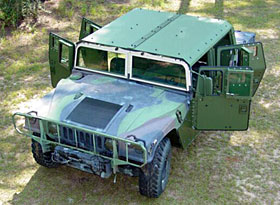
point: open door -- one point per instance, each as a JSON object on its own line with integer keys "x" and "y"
{"x": 223, "y": 97}
{"x": 250, "y": 54}
{"x": 61, "y": 58}
{"x": 88, "y": 27}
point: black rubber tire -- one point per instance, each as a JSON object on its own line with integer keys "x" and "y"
{"x": 44, "y": 159}
{"x": 152, "y": 181}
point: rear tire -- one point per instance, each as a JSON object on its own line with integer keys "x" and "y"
{"x": 153, "y": 181}
{"x": 44, "y": 159}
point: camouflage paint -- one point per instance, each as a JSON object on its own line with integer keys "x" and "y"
{"x": 152, "y": 117}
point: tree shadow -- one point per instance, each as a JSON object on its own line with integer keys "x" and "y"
{"x": 184, "y": 6}
{"x": 219, "y": 6}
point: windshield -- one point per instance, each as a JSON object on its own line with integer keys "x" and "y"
{"x": 158, "y": 72}
{"x": 99, "y": 60}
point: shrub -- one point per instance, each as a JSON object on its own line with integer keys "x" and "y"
{"x": 14, "y": 11}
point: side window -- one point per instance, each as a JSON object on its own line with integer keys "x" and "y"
{"x": 64, "y": 55}
{"x": 236, "y": 56}
{"x": 239, "y": 83}
{"x": 100, "y": 60}
{"x": 217, "y": 79}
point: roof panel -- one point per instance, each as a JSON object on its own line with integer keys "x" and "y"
{"x": 162, "y": 33}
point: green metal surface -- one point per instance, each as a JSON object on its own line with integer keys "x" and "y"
{"x": 220, "y": 113}
{"x": 169, "y": 34}
{"x": 250, "y": 54}
{"x": 46, "y": 143}
{"x": 226, "y": 108}
{"x": 186, "y": 132}
{"x": 88, "y": 27}
{"x": 61, "y": 58}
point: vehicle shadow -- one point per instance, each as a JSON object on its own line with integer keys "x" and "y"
{"x": 65, "y": 185}
{"x": 210, "y": 169}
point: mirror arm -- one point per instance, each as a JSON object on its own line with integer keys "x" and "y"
{"x": 203, "y": 76}
{"x": 247, "y": 50}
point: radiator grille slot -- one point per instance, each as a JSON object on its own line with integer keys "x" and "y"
{"x": 84, "y": 140}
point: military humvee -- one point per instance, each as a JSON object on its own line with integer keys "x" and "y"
{"x": 128, "y": 91}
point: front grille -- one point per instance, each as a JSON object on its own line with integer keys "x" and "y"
{"x": 84, "y": 140}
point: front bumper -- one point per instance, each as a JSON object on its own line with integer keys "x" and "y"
{"x": 52, "y": 133}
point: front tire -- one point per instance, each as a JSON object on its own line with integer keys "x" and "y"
{"x": 153, "y": 181}
{"x": 44, "y": 159}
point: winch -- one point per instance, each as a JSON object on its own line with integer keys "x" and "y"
{"x": 83, "y": 161}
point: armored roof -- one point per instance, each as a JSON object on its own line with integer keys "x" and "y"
{"x": 162, "y": 33}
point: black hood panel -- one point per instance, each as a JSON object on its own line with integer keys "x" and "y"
{"x": 94, "y": 113}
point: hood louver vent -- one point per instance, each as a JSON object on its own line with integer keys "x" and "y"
{"x": 94, "y": 113}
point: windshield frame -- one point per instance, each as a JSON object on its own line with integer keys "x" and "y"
{"x": 128, "y": 64}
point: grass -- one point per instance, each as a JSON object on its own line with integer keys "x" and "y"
{"x": 218, "y": 168}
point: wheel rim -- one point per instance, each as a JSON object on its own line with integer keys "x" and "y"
{"x": 165, "y": 172}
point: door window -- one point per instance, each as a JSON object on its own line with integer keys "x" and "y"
{"x": 64, "y": 55}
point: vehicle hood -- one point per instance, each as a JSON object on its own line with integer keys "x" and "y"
{"x": 115, "y": 106}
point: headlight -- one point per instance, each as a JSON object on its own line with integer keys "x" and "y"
{"x": 136, "y": 148}
{"x": 52, "y": 129}
{"x": 109, "y": 144}
{"x": 32, "y": 120}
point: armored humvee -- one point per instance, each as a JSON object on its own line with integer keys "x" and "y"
{"x": 126, "y": 92}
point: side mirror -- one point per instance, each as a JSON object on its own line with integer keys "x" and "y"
{"x": 205, "y": 85}
{"x": 208, "y": 86}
